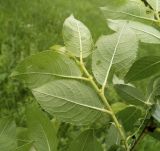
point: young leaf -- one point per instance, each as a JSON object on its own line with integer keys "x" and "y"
{"x": 77, "y": 37}
{"x": 44, "y": 67}
{"x": 145, "y": 33}
{"x": 143, "y": 68}
{"x": 86, "y": 141}
{"x": 129, "y": 116}
{"x": 70, "y": 101}
{"x": 41, "y": 130}
{"x": 113, "y": 138}
{"x": 116, "y": 51}
{"x": 131, "y": 10}
{"x": 7, "y": 135}
{"x": 130, "y": 94}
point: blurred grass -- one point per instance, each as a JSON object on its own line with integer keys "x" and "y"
{"x": 27, "y": 27}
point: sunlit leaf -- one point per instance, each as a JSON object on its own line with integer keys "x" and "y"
{"x": 131, "y": 10}
{"x": 77, "y": 37}
{"x": 116, "y": 52}
{"x": 145, "y": 33}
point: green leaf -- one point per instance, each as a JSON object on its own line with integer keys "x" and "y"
{"x": 145, "y": 33}
{"x": 25, "y": 147}
{"x": 117, "y": 52}
{"x": 44, "y": 67}
{"x": 156, "y": 112}
{"x": 155, "y": 134}
{"x": 130, "y": 94}
{"x": 153, "y": 89}
{"x": 113, "y": 138}
{"x": 131, "y": 10}
{"x": 86, "y": 141}
{"x": 77, "y": 37}
{"x": 7, "y": 135}
{"x": 22, "y": 136}
{"x": 41, "y": 130}
{"x": 118, "y": 106}
{"x": 143, "y": 68}
{"x": 129, "y": 116}
{"x": 70, "y": 101}
{"x": 155, "y": 4}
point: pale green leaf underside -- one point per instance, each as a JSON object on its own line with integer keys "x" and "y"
{"x": 155, "y": 4}
{"x": 86, "y": 141}
{"x": 77, "y": 37}
{"x": 7, "y": 135}
{"x": 131, "y": 10}
{"x": 117, "y": 51}
{"x": 145, "y": 33}
{"x": 41, "y": 130}
{"x": 46, "y": 66}
{"x": 70, "y": 101}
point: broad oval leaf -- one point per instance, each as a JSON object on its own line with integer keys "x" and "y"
{"x": 41, "y": 130}
{"x": 130, "y": 94}
{"x": 77, "y": 37}
{"x": 70, "y": 101}
{"x": 117, "y": 51}
{"x": 131, "y": 10}
{"x": 129, "y": 116}
{"x": 143, "y": 68}
{"x": 145, "y": 33}
{"x": 7, "y": 135}
{"x": 46, "y": 66}
{"x": 86, "y": 141}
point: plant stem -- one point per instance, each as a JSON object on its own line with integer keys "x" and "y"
{"x": 149, "y": 125}
{"x": 100, "y": 92}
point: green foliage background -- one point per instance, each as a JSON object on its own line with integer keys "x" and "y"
{"x": 27, "y": 27}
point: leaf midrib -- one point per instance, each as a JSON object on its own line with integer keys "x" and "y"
{"x": 70, "y": 101}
